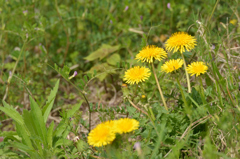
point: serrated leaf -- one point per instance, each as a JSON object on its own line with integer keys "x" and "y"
{"x": 102, "y": 52}
{"x": 131, "y": 110}
{"x": 21, "y": 146}
{"x": 81, "y": 145}
{"x": 50, "y": 134}
{"x": 22, "y": 132}
{"x": 49, "y": 104}
{"x": 62, "y": 141}
{"x": 10, "y": 111}
{"x": 28, "y": 120}
{"x": 38, "y": 120}
{"x": 114, "y": 59}
{"x": 60, "y": 129}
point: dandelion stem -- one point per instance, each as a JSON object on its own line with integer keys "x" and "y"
{"x": 202, "y": 91}
{"x": 187, "y": 76}
{"x": 159, "y": 88}
{"x": 182, "y": 93}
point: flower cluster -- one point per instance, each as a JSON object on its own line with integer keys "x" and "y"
{"x": 147, "y": 54}
{"x": 181, "y": 42}
{"x": 105, "y": 132}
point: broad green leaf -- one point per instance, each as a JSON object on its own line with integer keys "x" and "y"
{"x": 21, "y": 146}
{"x": 60, "y": 129}
{"x": 10, "y": 111}
{"x": 38, "y": 120}
{"x": 74, "y": 109}
{"x": 47, "y": 108}
{"x": 10, "y": 135}
{"x": 32, "y": 153}
{"x": 131, "y": 110}
{"x": 81, "y": 145}
{"x": 114, "y": 59}
{"x": 49, "y": 134}
{"x": 28, "y": 120}
{"x": 102, "y": 70}
{"x": 102, "y": 52}
{"x": 22, "y": 132}
{"x": 61, "y": 142}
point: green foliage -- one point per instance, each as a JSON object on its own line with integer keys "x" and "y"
{"x": 42, "y": 40}
{"x": 33, "y": 137}
{"x": 103, "y": 69}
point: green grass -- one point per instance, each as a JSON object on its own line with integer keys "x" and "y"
{"x": 44, "y": 41}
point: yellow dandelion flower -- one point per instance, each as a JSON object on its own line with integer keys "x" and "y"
{"x": 233, "y": 21}
{"x": 136, "y": 74}
{"x": 150, "y": 52}
{"x": 143, "y": 96}
{"x": 172, "y": 65}
{"x": 110, "y": 123}
{"x": 197, "y": 68}
{"x": 180, "y": 41}
{"x": 101, "y": 135}
{"x": 125, "y": 125}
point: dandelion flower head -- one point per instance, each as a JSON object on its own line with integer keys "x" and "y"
{"x": 125, "y": 125}
{"x": 172, "y": 65}
{"x": 196, "y": 68}
{"x": 110, "y": 123}
{"x": 151, "y": 52}
{"x": 101, "y": 135}
{"x": 180, "y": 41}
{"x": 233, "y": 21}
{"x": 136, "y": 74}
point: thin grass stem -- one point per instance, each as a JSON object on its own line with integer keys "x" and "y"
{"x": 159, "y": 88}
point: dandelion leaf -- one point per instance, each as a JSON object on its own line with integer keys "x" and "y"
{"x": 102, "y": 52}
{"x": 81, "y": 145}
{"x": 47, "y": 108}
{"x": 50, "y": 134}
{"x": 114, "y": 59}
{"x": 102, "y": 70}
{"x": 10, "y": 111}
{"x": 38, "y": 120}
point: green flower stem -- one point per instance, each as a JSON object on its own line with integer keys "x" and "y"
{"x": 151, "y": 114}
{"x": 183, "y": 96}
{"x": 202, "y": 91}
{"x": 187, "y": 76}
{"x": 159, "y": 88}
{"x": 13, "y": 71}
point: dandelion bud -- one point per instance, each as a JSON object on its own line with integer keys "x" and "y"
{"x": 143, "y": 98}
